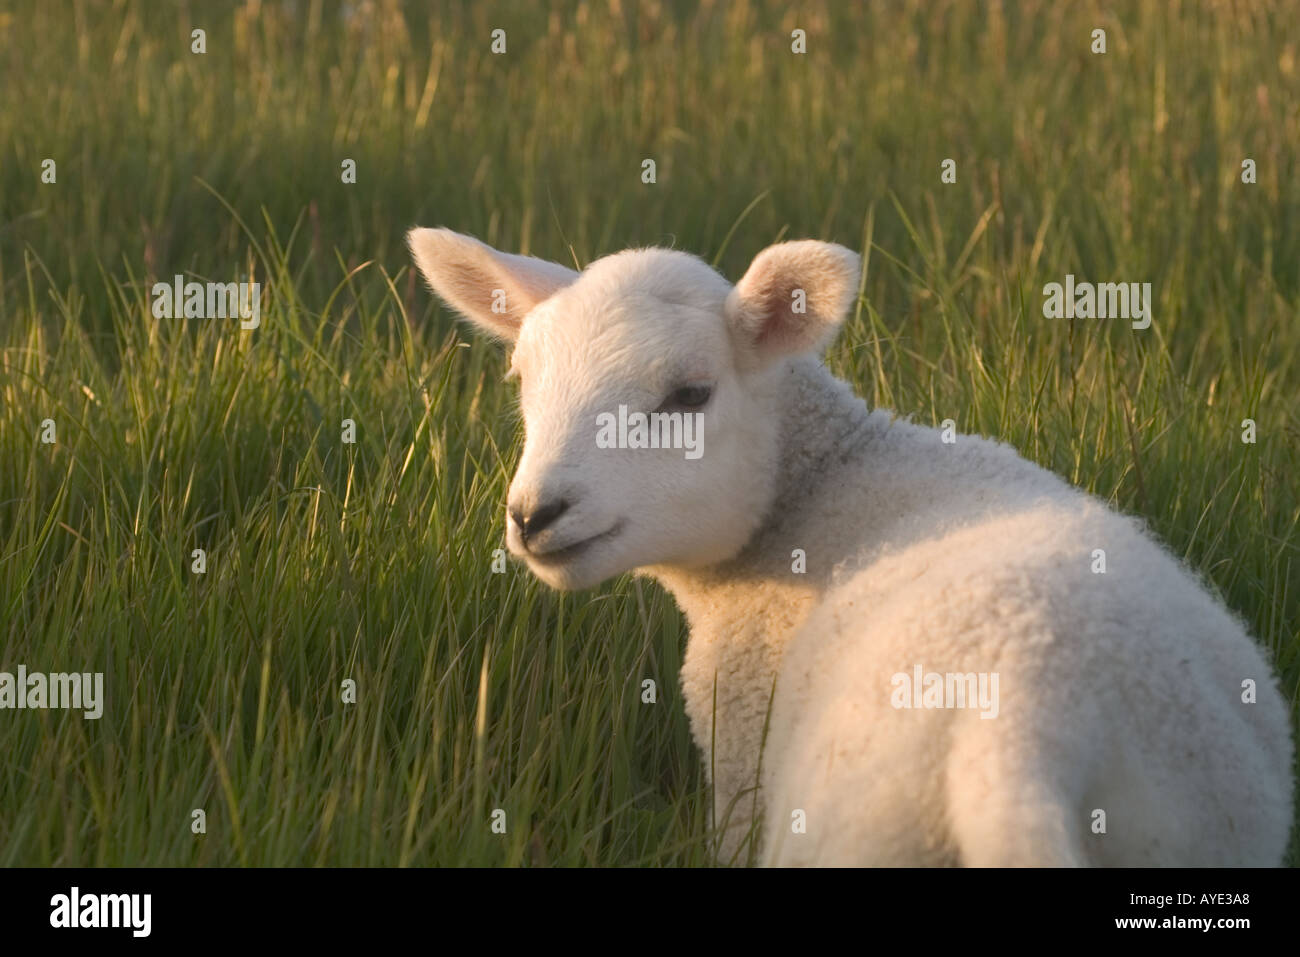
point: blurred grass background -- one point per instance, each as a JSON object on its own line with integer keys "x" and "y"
{"x": 372, "y": 561}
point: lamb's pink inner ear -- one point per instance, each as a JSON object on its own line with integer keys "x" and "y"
{"x": 492, "y": 289}
{"x": 768, "y": 316}
{"x": 793, "y": 298}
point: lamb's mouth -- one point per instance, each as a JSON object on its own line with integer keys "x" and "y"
{"x": 569, "y": 552}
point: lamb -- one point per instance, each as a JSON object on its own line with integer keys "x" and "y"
{"x": 827, "y": 555}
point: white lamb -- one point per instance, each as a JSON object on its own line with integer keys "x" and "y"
{"x": 1118, "y": 724}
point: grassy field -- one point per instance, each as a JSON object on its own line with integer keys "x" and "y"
{"x": 372, "y": 561}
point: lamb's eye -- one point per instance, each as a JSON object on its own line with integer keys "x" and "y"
{"x": 688, "y": 397}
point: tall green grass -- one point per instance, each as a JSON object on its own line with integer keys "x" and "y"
{"x": 372, "y": 561}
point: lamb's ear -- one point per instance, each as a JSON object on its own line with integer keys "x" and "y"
{"x": 792, "y": 298}
{"x": 494, "y": 290}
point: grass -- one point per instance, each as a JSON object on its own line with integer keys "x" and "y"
{"x": 373, "y": 561}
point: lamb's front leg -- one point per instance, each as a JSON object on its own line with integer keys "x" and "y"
{"x": 728, "y": 729}
{"x": 737, "y": 807}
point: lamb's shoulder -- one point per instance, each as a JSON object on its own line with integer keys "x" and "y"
{"x": 1074, "y": 606}
{"x": 1061, "y": 587}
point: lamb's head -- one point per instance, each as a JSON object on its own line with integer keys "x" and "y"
{"x": 597, "y": 353}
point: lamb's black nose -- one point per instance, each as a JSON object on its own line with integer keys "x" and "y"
{"x": 538, "y": 518}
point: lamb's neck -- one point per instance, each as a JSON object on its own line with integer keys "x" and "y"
{"x": 849, "y": 483}
{"x": 767, "y": 589}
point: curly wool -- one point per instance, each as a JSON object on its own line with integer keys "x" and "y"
{"x": 1121, "y": 692}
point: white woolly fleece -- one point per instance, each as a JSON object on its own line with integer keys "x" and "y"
{"x": 1119, "y": 692}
